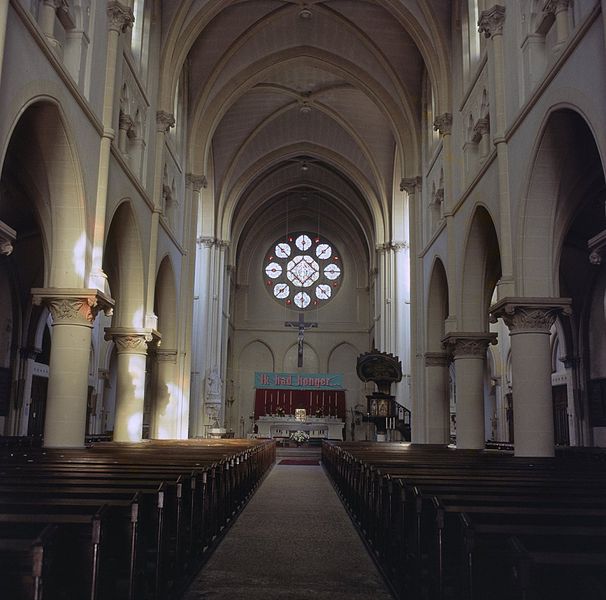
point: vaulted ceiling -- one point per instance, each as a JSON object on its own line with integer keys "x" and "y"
{"x": 292, "y": 100}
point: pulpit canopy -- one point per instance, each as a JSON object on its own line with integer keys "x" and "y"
{"x": 380, "y": 367}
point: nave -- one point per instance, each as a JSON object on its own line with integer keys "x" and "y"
{"x": 294, "y": 541}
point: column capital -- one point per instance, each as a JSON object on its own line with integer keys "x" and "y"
{"x": 164, "y": 121}
{"x": 7, "y": 238}
{"x": 530, "y": 315}
{"x": 398, "y": 245}
{"x": 206, "y": 242}
{"x": 555, "y": 6}
{"x": 73, "y": 306}
{"x": 120, "y": 17}
{"x": 410, "y": 184}
{"x": 197, "y": 182}
{"x": 443, "y": 123}
{"x": 436, "y": 359}
{"x": 466, "y": 344}
{"x": 223, "y": 243}
{"x": 491, "y": 21}
{"x": 131, "y": 340}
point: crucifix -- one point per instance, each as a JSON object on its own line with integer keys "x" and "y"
{"x": 302, "y": 326}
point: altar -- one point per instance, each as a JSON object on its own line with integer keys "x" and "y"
{"x": 290, "y": 402}
{"x": 271, "y": 426}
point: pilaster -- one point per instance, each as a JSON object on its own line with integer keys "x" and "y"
{"x": 120, "y": 18}
{"x": 491, "y": 24}
{"x": 412, "y": 186}
{"x": 164, "y": 121}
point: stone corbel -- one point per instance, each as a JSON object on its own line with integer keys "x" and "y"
{"x": 491, "y": 21}
{"x": 443, "y": 124}
{"x": 120, "y": 17}
{"x": 597, "y": 248}
{"x": 7, "y": 238}
{"x": 164, "y": 121}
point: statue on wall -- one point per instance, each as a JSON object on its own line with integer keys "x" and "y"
{"x": 213, "y": 384}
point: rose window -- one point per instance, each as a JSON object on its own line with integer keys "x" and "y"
{"x": 302, "y": 270}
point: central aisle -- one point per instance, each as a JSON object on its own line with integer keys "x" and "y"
{"x": 295, "y": 541}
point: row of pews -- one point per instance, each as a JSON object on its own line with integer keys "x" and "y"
{"x": 119, "y": 521}
{"x": 447, "y": 524}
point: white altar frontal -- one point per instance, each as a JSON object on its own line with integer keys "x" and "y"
{"x": 273, "y": 426}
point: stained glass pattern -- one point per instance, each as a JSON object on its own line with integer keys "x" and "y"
{"x": 302, "y": 270}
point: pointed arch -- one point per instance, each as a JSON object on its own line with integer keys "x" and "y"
{"x": 481, "y": 271}
{"x": 123, "y": 263}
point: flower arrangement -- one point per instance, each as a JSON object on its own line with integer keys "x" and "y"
{"x": 299, "y": 437}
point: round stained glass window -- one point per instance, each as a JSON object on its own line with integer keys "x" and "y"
{"x": 302, "y": 270}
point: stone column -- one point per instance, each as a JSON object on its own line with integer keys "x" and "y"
{"x": 469, "y": 353}
{"x": 491, "y": 24}
{"x": 73, "y": 312}
{"x": 438, "y": 403}
{"x": 385, "y": 298}
{"x": 559, "y": 8}
{"x": 131, "y": 346}
{"x": 530, "y": 321}
{"x": 443, "y": 124}
{"x": 412, "y": 186}
{"x": 166, "y": 414}
{"x": 401, "y": 252}
{"x": 3, "y": 22}
{"x": 200, "y": 345}
{"x": 120, "y": 18}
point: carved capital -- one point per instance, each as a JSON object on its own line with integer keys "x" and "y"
{"x": 73, "y": 306}
{"x": 206, "y": 242}
{"x": 223, "y": 244}
{"x": 443, "y": 123}
{"x": 120, "y": 17}
{"x": 399, "y": 245}
{"x": 555, "y": 6}
{"x": 491, "y": 21}
{"x": 468, "y": 345}
{"x": 381, "y": 248}
{"x": 197, "y": 182}
{"x": 410, "y": 185}
{"x": 130, "y": 341}
{"x": 530, "y": 315}
{"x": 164, "y": 121}
{"x": 436, "y": 359}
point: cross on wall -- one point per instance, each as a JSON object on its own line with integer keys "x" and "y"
{"x": 301, "y": 325}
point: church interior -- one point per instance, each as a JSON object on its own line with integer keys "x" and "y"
{"x": 347, "y": 256}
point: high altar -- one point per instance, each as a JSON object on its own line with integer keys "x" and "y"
{"x": 288, "y": 402}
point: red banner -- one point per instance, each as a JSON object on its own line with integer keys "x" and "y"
{"x": 327, "y": 402}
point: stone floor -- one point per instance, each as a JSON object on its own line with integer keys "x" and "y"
{"x": 293, "y": 541}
